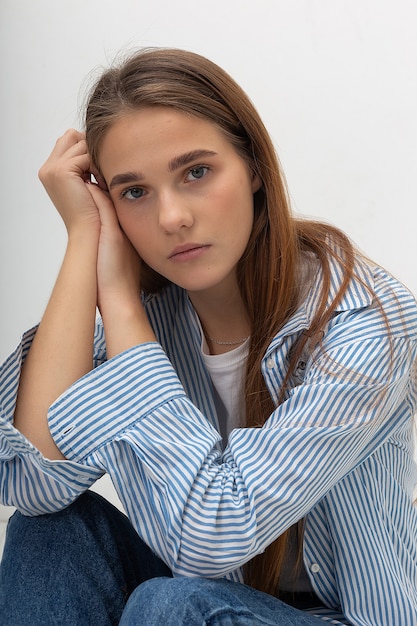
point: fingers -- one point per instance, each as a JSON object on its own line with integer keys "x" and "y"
{"x": 71, "y": 138}
{"x": 69, "y": 154}
{"x": 64, "y": 176}
{"x": 104, "y": 205}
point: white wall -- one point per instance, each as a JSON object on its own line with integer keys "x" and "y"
{"x": 334, "y": 80}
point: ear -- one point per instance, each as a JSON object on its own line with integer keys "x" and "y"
{"x": 256, "y": 182}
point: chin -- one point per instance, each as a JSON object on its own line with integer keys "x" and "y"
{"x": 204, "y": 280}
{"x": 217, "y": 286}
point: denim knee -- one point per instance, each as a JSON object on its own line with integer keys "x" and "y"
{"x": 197, "y": 601}
{"x": 159, "y": 601}
{"x": 76, "y": 566}
{"x": 186, "y": 602}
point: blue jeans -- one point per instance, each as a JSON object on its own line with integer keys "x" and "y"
{"x": 204, "y": 602}
{"x": 86, "y": 566}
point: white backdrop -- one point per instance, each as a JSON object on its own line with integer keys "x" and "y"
{"x": 334, "y": 80}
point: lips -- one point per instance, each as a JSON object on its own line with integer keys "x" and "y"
{"x": 185, "y": 248}
{"x": 187, "y": 251}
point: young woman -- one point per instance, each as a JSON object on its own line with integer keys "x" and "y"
{"x": 248, "y": 386}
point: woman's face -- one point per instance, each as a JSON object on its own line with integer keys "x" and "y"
{"x": 183, "y": 195}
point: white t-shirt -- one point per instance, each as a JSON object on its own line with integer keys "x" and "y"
{"x": 227, "y": 372}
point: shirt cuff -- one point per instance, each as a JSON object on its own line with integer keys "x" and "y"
{"x": 111, "y": 398}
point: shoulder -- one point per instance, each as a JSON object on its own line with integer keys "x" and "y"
{"x": 372, "y": 295}
{"x": 380, "y": 298}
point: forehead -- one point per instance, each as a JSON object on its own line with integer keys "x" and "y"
{"x": 156, "y": 126}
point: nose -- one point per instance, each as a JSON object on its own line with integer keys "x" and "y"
{"x": 174, "y": 213}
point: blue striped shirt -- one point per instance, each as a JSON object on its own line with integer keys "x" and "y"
{"x": 337, "y": 452}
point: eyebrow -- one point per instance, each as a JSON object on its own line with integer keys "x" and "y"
{"x": 175, "y": 164}
{"x": 124, "y": 179}
{"x": 188, "y": 157}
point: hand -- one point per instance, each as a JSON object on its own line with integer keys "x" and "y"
{"x": 118, "y": 264}
{"x": 118, "y": 277}
{"x": 65, "y": 176}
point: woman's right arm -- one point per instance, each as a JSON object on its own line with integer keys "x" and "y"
{"x": 62, "y": 349}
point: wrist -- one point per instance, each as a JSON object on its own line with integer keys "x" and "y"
{"x": 84, "y": 233}
{"x": 125, "y": 325}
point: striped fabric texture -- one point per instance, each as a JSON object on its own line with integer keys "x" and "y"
{"x": 337, "y": 451}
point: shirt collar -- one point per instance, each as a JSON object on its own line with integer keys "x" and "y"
{"x": 358, "y": 295}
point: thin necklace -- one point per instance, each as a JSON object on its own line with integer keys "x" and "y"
{"x": 227, "y": 343}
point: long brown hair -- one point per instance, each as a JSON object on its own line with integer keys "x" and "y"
{"x": 267, "y": 272}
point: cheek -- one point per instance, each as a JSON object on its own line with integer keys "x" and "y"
{"x": 136, "y": 230}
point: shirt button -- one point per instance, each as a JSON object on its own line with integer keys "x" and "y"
{"x": 314, "y": 567}
{"x": 270, "y": 363}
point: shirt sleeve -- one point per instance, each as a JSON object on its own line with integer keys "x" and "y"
{"x": 206, "y": 513}
{"x": 29, "y": 481}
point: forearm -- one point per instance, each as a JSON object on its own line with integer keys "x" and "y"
{"x": 62, "y": 349}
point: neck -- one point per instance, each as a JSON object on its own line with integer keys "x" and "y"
{"x": 224, "y": 321}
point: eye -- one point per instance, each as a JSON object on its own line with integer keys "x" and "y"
{"x": 134, "y": 193}
{"x": 197, "y": 172}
